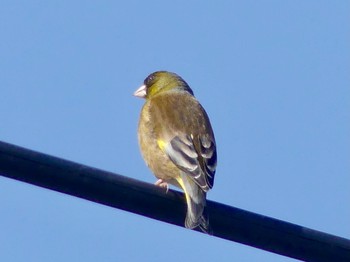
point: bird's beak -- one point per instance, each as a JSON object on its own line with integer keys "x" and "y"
{"x": 141, "y": 92}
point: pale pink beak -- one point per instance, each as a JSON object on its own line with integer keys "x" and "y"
{"x": 141, "y": 92}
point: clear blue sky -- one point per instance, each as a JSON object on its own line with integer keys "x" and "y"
{"x": 274, "y": 77}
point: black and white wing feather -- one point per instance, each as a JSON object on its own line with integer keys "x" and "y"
{"x": 196, "y": 156}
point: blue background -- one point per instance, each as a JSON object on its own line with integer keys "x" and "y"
{"x": 274, "y": 77}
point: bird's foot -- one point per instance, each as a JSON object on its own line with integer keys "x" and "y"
{"x": 163, "y": 184}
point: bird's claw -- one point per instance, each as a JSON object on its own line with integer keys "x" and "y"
{"x": 163, "y": 184}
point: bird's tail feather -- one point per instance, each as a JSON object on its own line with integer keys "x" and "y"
{"x": 196, "y": 204}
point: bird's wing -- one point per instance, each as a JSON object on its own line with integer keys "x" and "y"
{"x": 196, "y": 156}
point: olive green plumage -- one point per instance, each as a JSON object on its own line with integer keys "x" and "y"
{"x": 177, "y": 141}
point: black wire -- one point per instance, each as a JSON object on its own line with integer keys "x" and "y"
{"x": 148, "y": 200}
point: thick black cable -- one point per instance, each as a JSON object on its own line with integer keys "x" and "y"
{"x": 148, "y": 200}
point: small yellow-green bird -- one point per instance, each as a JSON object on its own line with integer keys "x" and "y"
{"x": 177, "y": 141}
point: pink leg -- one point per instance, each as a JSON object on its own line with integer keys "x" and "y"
{"x": 162, "y": 183}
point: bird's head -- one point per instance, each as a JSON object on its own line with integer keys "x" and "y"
{"x": 161, "y": 81}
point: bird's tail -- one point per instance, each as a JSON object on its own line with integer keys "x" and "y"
{"x": 196, "y": 202}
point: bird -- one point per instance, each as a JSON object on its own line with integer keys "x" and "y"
{"x": 177, "y": 142}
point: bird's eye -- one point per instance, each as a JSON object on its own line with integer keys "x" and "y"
{"x": 149, "y": 80}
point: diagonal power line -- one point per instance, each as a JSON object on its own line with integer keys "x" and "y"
{"x": 148, "y": 200}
